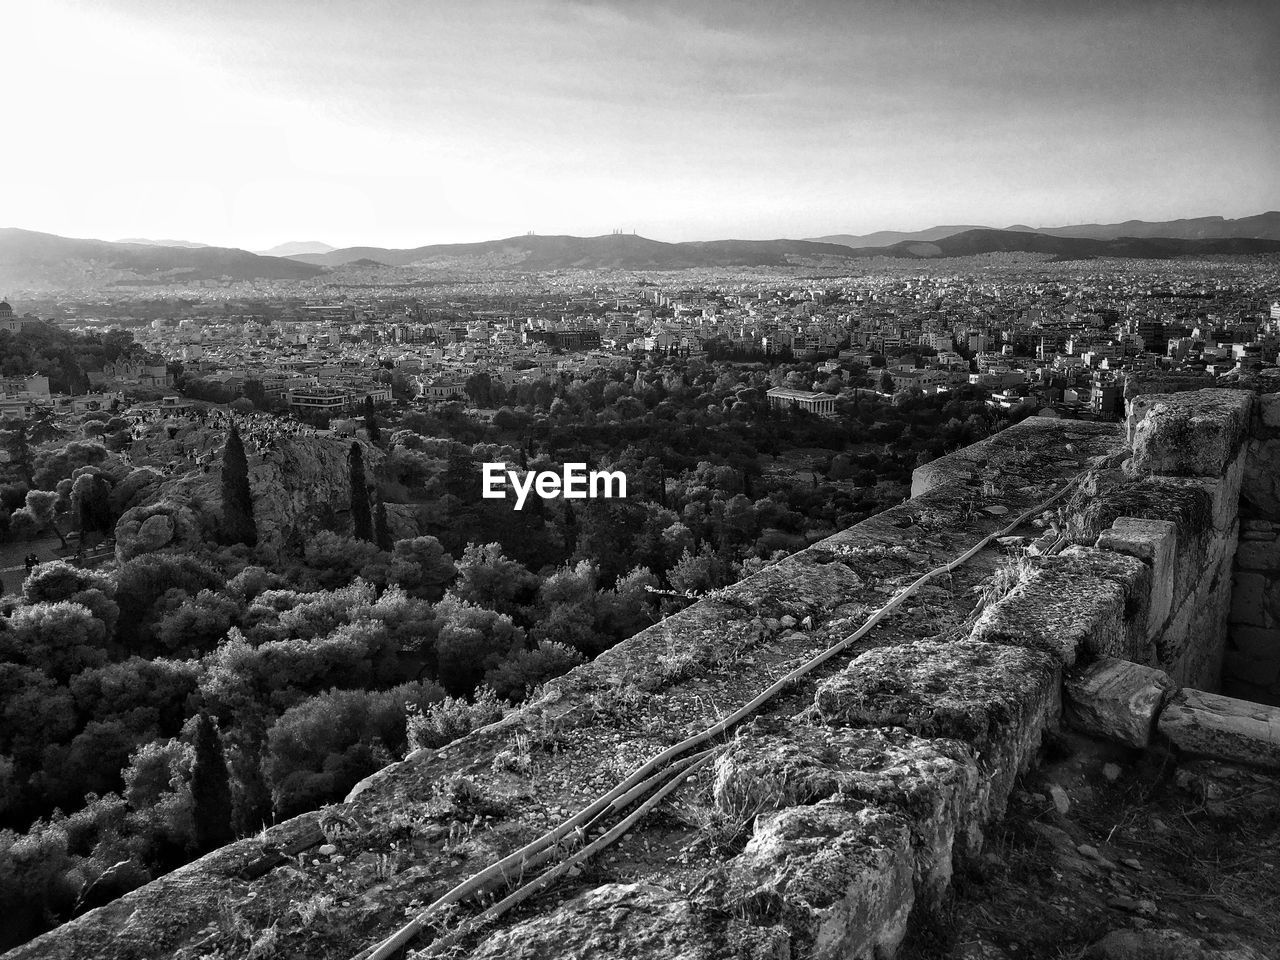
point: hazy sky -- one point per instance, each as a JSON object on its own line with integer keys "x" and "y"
{"x": 405, "y": 122}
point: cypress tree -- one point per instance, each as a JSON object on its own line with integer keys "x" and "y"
{"x": 361, "y": 515}
{"x": 381, "y": 531}
{"x": 210, "y": 788}
{"x": 237, "y": 499}
{"x": 371, "y": 421}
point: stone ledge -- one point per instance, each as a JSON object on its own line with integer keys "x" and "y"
{"x": 1022, "y": 443}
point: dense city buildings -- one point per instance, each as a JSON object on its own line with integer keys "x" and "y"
{"x": 1033, "y": 334}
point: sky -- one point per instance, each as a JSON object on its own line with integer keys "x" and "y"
{"x": 406, "y": 122}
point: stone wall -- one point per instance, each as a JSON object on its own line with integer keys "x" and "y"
{"x": 1252, "y": 669}
{"x": 858, "y": 787}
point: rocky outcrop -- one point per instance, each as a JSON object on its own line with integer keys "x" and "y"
{"x": 301, "y": 485}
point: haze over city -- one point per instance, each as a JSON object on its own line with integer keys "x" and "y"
{"x": 248, "y": 124}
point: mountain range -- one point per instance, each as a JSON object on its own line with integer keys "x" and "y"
{"x": 46, "y": 262}
{"x": 1263, "y": 226}
{"x": 31, "y": 260}
{"x": 631, "y": 252}
{"x": 620, "y": 251}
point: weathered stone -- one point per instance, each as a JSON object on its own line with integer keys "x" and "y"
{"x": 1061, "y": 802}
{"x": 1156, "y": 543}
{"x": 1190, "y": 434}
{"x": 1116, "y": 700}
{"x": 631, "y": 920}
{"x": 838, "y": 879}
{"x": 1077, "y": 603}
{"x": 933, "y": 784}
{"x": 996, "y": 698}
{"x": 1207, "y": 724}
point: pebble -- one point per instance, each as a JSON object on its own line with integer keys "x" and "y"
{"x": 1086, "y": 850}
{"x": 327, "y": 850}
{"x": 996, "y": 510}
{"x": 1131, "y": 863}
{"x": 1111, "y": 771}
{"x": 1061, "y": 802}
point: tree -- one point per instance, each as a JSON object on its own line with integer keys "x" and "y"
{"x": 15, "y": 442}
{"x": 361, "y": 515}
{"x": 237, "y": 499}
{"x": 886, "y": 382}
{"x": 210, "y": 787}
{"x": 40, "y": 513}
{"x": 90, "y": 504}
{"x": 371, "y": 421}
{"x": 381, "y": 532}
{"x": 254, "y": 392}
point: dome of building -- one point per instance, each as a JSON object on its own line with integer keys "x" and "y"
{"x": 5, "y": 309}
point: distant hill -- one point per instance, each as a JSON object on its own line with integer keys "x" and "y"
{"x": 618, "y": 251}
{"x": 163, "y": 243}
{"x": 885, "y": 238}
{"x": 973, "y": 242}
{"x": 1263, "y": 226}
{"x": 44, "y": 261}
{"x": 295, "y": 247}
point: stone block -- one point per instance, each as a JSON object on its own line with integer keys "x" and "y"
{"x": 1190, "y": 434}
{"x": 1072, "y": 606}
{"x": 1210, "y": 725}
{"x": 1200, "y": 661}
{"x": 621, "y": 920}
{"x": 1256, "y": 641}
{"x": 1260, "y": 554}
{"x": 1156, "y": 543}
{"x": 1259, "y": 525}
{"x": 934, "y": 784}
{"x": 1260, "y": 488}
{"x": 837, "y": 878}
{"x": 998, "y": 699}
{"x": 1116, "y": 700}
{"x": 1269, "y": 410}
{"x": 1248, "y": 599}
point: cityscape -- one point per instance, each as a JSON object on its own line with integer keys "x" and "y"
{"x": 734, "y": 481}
